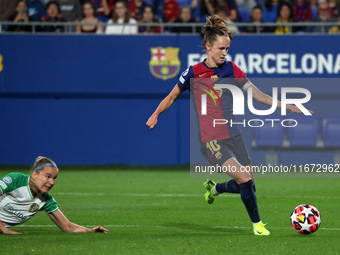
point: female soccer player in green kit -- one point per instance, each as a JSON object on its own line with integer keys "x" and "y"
{"x": 22, "y": 196}
{"x": 232, "y": 153}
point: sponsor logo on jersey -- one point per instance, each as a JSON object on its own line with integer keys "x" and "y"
{"x": 3, "y": 185}
{"x": 7, "y": 179}
{"x": 164, "y": 63}
{"x": 181, "y": 79}
{"x": 34, "y": 208}
{"x": 185, "y": 72}
{"x": 10, "y": 209}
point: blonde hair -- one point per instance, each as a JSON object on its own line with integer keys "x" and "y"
{"x": 41, "y": 161}
{"x": 215, "y": 26}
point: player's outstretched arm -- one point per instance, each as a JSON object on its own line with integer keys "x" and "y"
{"x": 65, "y": 225}
{"x": 5, "y": 230}
{"x": 164, "y": 105}
{"x": 263, "y": 98}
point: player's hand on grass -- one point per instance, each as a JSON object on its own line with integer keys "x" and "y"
{"x": 100, "y": 229}
{"x": 10, "y": 232}
{"x": 297, "y": 110}
{"x": 152, "y": 121}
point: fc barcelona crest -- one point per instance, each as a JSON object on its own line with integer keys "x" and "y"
{"x": 164, "y": 63}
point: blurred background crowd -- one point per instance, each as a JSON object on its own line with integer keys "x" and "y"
{"x": 109, "y": 16}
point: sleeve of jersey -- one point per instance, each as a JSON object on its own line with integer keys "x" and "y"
{"x": 10, "y": 182}
{"x": 241, "y": 77}
{"x": 51, "y": 205}
{"x": 184, "y": 80}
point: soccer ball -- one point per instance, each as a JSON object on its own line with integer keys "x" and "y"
{"x": 305, "y": 219}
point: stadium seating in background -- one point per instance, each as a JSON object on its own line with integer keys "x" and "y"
{"x": 311, "y": 132}
{"x": 331, "y": 131}
{"x": 182, "y": 3}
{"x": 306, "y": 133}
{"x": 244, "y": 12}
{"x": 268, "y": 136}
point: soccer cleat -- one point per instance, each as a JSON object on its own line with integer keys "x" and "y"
{"x": 209, "y": 195}
{"x": 260, "y": 230}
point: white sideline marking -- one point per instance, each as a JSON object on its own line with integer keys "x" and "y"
{"x": 186, "y": 195}
{"x": 136, "y": 195}
{"x": 318, "y": 197}
{"x": 168, "y": 226}
{"x": 170, "y": 195}
{"x": 79, "y": 194}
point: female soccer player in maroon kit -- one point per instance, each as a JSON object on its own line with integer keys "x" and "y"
{"x": 232, "y": 152}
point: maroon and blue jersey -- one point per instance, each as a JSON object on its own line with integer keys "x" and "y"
{"x": 200, "y": 79}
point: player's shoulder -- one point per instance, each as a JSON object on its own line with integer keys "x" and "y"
{"x": 15, "y": 177}
{"x": 188, "y": 71}
{"x": 50, "y": 205}
{"x": 199, "y": 67}
{"x": 186, "y": 75}
{"x": 47, "y": 197}
{"x": 235, "y": 68}
{"x": 229, "y": 63}
{"x": 13, "y": 181}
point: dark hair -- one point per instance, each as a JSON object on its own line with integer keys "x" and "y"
{"x": 149, "y": 6}
{"x": 255, "y": 8}
{"x": 39, "y": 162}
{"x": 16, "y": 6}
{"x": 215, "y": 26}
{"x": 19, "y": 2}
{"x": 55, "y": 3}
{"x": 185, "y": 7}
{"x": 95, "y": 13}
{"x": 289, "y": 7}
{"x": 127, "y": 14}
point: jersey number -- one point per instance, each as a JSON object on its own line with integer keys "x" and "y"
{"x": 213, "y": 146}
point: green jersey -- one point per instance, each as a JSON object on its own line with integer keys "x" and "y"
{"x": 17, "y": 205}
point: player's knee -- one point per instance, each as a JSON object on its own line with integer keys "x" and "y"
{"x": 242, "y": 180}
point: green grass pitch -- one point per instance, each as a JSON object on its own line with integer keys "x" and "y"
{"x": 161, "y": 210}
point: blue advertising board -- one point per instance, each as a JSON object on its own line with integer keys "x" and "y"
{"x": 84, "y": 100}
